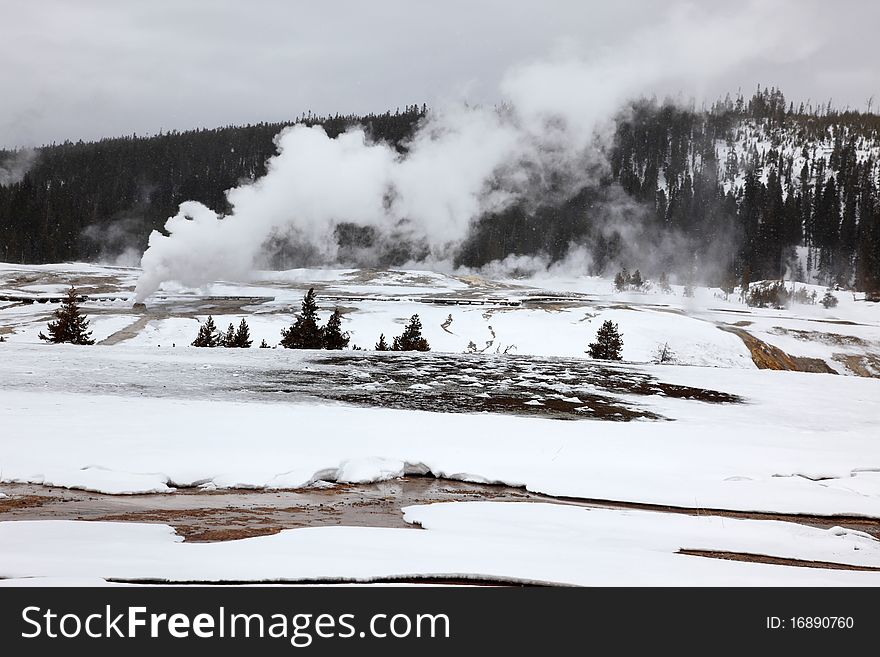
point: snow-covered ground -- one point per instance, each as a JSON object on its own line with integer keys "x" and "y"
{"x": 546, "y": 543}
{"x": 146, "y": 412}
{"x": 555, "y": 316}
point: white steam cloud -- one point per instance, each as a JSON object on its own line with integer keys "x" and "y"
{"x": 463, "y": 161}
{"x": 14, "y": 167}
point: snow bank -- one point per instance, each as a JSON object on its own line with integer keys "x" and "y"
{"x": 528, "y": 542}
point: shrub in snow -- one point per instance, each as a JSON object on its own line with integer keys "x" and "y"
{"x": 663, "y": 354}
{"x": 382, "y": 345}
{"x": 264, "y": 344}
{"x": 623, "y": 280}
{"x": 829, "y": 300}
{"x": 636, "y": 281}
{"x": 411, "y": 339}
{"x": 608, "y": 344}
{"x": 69, "y": 325}
{"x": 767, "y": 294}
{"x": 803, "y": 297}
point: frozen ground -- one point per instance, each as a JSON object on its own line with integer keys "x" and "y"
{"x": 143, "y": 412}
{"x": 531, "y": 542}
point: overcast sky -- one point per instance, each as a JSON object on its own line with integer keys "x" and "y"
{"x": 93, "y": 68}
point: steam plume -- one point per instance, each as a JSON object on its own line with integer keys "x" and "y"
{"x": 463, "y": 161}
{"x": 14, "y": 167}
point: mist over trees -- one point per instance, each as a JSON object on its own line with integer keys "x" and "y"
{"x": 715, "y": 194}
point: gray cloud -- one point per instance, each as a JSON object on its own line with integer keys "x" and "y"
{"x": 100, "y": 68}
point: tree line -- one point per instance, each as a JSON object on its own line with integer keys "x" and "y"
{"x": 72, "y": 326}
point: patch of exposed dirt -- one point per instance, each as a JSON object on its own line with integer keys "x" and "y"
{"x": 202, "y": 516}
{"x": 868, "y": 525}
{"x": 834, "y": 339}
{"x": 776, "y": 561}
{"x": 867, "y": 365}
{"x": 768, "y": 357}
{"x": 15, "y": 502}
{"x": 231, "y": 514}
{"x": 128, "y": 332}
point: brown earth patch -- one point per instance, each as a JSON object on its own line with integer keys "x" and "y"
{"x": 867, "y": 365}
{"x": 14, "y": 502}
{"x": 835, "y": 339}
{"x": 230, "y": 514}
{"x": 768, "y": 357}
{"x": 776, "y": 561}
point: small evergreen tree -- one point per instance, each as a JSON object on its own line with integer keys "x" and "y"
{"x": 636, "y": 280}
{"x": 382, "y": 345}
{"x": 608, "y": 344}
{"x": 663, "y": 354}
{"x": 264, "y": 344}
{"x": 411, "y": 339}
{"x": 228, "y": 339}
{"x": 829, "y": 300}
{"x": 305, "y": 332}
{"x": 208, "y": 335}
{"x": 333, "y": 337}
{"x": 621, "y": 280}
{"x": 69, "y": 325}
{"x": 242, "y": 337}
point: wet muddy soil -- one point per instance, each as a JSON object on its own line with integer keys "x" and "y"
{"x": 558, "y": 388}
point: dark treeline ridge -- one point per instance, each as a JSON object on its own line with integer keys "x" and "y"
{"x": 87, "y": 200}
{"x": 719, "y": 193}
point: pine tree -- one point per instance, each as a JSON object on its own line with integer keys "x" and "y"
{"x": 228, "y": 339}
{"x": 242, "y": 337}
{"x": 608, "y": 344}
{"x": 305, "y": 332}
{"x": 264, "y": 344}
{"x": 208, "y": 335}
{"x": 69, "y": 325}
{"x": 663, "y": 354}
{"x": 636, "y": 281}
{"x": 829, "y": 300}
{"x": 382, "y": 345}
{"x": 333, "y": 336}
{"x": 411, "y": 339}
